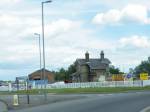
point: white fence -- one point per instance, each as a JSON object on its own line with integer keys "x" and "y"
{"x": 100, "y": 84}
{"x": 4, "y": 88}
{"x": 11, "y": 87}
{"x": 137, "y": 83}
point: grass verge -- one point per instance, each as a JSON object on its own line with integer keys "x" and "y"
{"x": 81, "y": 90}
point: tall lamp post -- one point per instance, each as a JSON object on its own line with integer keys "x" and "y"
{"x": 49, "y": 1}
{"x": 39, "y": 37}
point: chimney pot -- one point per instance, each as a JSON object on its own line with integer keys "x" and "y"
{"x": 87, "y": 57}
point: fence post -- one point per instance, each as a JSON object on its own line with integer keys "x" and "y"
{"x": 142, "y": 83}
{"x": 10, "y": 87}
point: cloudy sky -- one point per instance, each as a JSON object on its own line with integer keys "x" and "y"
{"x": 119, "y": 27}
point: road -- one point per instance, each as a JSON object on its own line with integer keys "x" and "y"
{"x": 123, "y": 102}
{"x": 3, "y": 106}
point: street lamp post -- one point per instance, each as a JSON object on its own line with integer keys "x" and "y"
{"x": 39, "y": 37}
{"x": 44, "y": 47}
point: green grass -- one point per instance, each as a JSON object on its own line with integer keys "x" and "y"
{"x": 82, "y": 90}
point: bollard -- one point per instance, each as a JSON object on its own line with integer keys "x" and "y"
{"x": 16, "y": 101}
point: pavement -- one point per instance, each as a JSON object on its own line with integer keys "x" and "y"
{"x": 123, "y": 102}
{"x": 36, "y": 100}
{"x": 147, "y": 109}
{"x": 3, "y": 106}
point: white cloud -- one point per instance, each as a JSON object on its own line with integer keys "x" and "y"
{"x": 65, "y": 39}
{"x": 10, "y": 1}
{"x": 137, "y": 13}
{"x": 9, "y": 20}
{"x": 60, "y": 35}
{"x": 53, "y": 28}
{"x": 137, "y": 41}
{"x": 108, "y": 17}
{"x": 61, "y": 26}
{"x": 130, "y": 13}
{"x": 130, "y": 51}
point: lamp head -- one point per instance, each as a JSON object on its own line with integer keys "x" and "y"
{"x": 49, "y": 1}
{"x": 36, "y": 34}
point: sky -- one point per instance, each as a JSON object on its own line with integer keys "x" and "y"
{"x": 72, "y": 27}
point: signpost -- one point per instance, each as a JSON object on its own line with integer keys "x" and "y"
{"x": 129, "y": 76}
{"x": 143, "y": 76}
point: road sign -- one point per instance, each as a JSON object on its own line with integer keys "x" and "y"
{"x": 144, "y": 76}
{"x": 129, "y": 76}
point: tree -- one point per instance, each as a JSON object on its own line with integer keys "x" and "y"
{"x": 114, "y": 70}
{"x": 131, "y": 70}
{"x": 71, "y": 70}
{"x": 144, "y": 66}
{"x": 60, "y": 75}
{"x": 64, "y": 75}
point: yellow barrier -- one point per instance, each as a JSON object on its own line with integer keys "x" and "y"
{"x": 117, "y": 77}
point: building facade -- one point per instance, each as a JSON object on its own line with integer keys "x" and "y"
{"x": 38, "y": 75}
{"x": 91, "y": 69}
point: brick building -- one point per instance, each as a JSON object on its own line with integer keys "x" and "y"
{"x": 38, "y": 75}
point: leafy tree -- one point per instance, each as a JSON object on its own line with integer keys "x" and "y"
{"x": 114, "y": 70}
{"x": 63, "y": 74}
{"x": 60, "y": 75}
{"x": 71, "y": 69}
{"x": 144, "y": 66}
{"x": 131, "y": 70}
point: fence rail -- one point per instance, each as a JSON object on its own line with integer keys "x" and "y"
{"x": 137, "y": 83}
{"x": 98, "y": 84}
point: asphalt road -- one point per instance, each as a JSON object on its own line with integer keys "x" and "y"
{"x": 3, "y": 106}
{"x": 123, "y": 102}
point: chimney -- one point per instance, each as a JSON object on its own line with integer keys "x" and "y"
{"x": 102, "y": 55}
{"x": 87, "y": 57}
